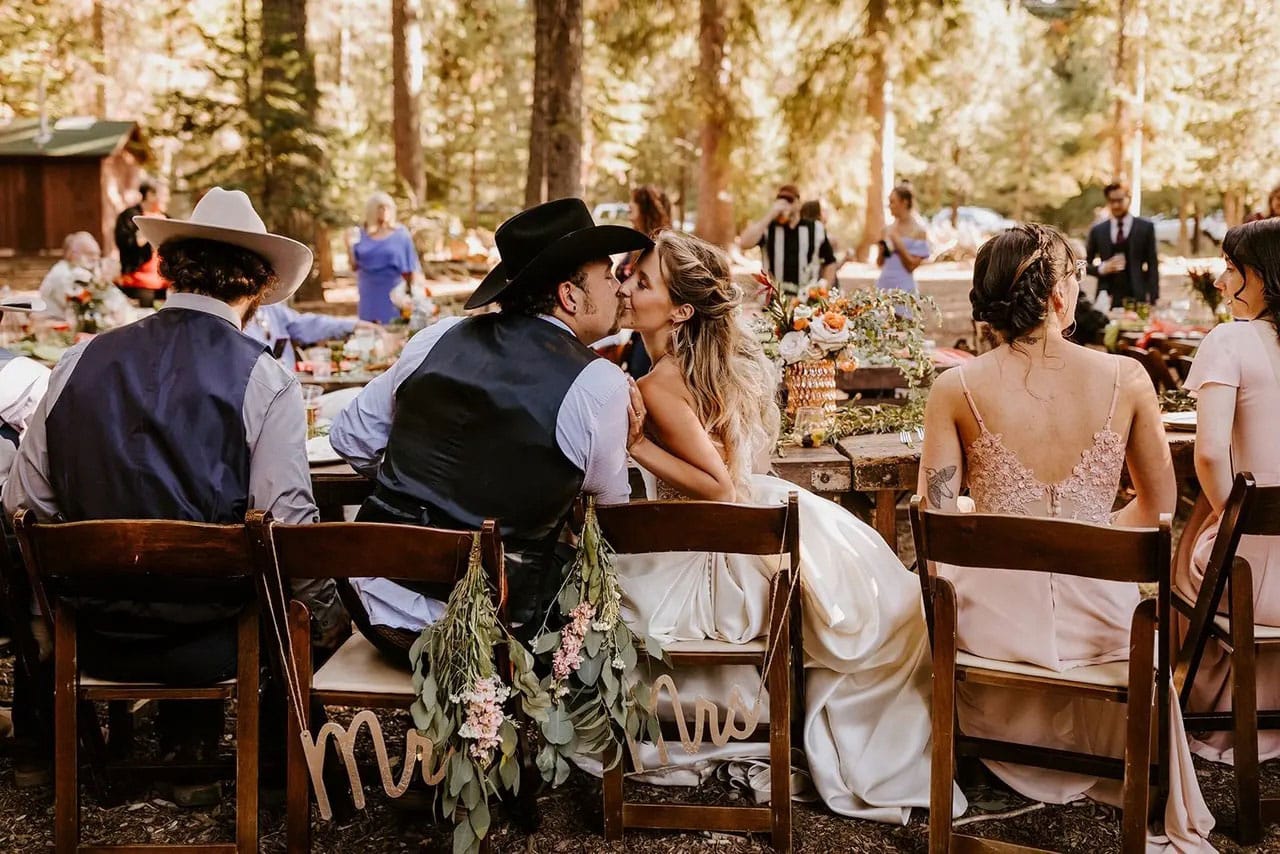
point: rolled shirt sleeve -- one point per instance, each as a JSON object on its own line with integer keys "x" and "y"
{"x": 280, "y": 479}
{"x": 360, "y": 432}
{"x": 310, "y": 328}
{"x": 591, "y": 430}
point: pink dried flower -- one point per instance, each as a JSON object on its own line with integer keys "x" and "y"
{"x": 568, "y": 658}
{"x": 484, "y": 716}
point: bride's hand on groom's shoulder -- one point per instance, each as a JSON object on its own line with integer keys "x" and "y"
{"x": 635, "y": 415}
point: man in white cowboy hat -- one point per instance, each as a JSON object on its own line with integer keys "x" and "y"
{"x": 506, "y": 415}
{"x": 179, "y": 416}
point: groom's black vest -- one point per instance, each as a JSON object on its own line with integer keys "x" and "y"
{"x": 474, "y": 431}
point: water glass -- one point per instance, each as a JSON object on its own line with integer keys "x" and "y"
{"x": 311, "y": 395}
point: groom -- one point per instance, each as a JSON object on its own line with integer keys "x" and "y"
{"x": 506, "y": 415}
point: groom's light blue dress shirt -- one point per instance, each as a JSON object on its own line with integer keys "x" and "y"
{"x": 591, "y": 430}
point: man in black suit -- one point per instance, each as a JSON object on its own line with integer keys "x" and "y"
{"x": 1126, "y": 247}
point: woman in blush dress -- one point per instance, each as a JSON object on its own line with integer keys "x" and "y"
{"x": 382, "y": 256}
{"x": 711, "y": 425}
{"x": 1039, "y": 426}
{"x": 1236, "y": 378}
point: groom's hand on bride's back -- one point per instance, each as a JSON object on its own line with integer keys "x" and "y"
{"x": 635, "y": 415}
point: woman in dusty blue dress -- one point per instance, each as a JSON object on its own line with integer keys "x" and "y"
{"x": 904, "y": 244}
{"x": 382, "y": 257}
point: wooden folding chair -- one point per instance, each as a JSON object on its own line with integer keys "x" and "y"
{"x": 64, "y": 558}
{"x": 1066, "y": 548}
{"x": 705, "y": 526}
{"x": 1154, "y": 363}
{"x": 357, "y": 675}
{"x": 1252, "y": 510}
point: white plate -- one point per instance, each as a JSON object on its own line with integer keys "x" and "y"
{"x": 1179, "y": 420}
{"x": 320, "y": 451}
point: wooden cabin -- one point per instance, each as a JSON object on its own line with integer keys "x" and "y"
{"x": 72, "y": 177}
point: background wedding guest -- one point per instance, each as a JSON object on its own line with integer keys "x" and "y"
{"x": 279, "y": 327}
{"x": 179, "y": 416}
{"x": 794, "y": 250}
{"x": 1121, "y": 251}
{"x": 139, "y": 265}
{"x": 1236, "y": 378}
{"x": 382, "y": 256}
{"x": 81, "y": 262}
{"x": 1273, "y": 206}
{"x": 904, "y": 244}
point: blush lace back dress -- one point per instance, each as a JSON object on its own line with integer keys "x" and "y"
{"x": 867, "y": 716}
{"x": 1058, "y": 622}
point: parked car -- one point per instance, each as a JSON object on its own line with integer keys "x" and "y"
{"x": 982, "y": 221}
{"x": 619, "y": 213}
{"x": 1213, "y": 227}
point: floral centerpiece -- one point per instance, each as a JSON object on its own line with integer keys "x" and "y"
{"x": 1201, "y": 280}
{"x": 596, "y": 702}
{"x": 464, "y": 703}
{"x": 88, "y": 302}
{"x": 823, "y": 331}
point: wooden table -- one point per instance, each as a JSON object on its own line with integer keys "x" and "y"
{"x": 824, "y": 471}
{"x": 884, "y": 468}
{"x": 344, "y": 379}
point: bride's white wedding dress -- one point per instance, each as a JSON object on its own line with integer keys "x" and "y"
{"x": 866, "y": 716}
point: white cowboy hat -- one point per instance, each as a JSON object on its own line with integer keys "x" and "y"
{"x": 227, "y": 216}
{"x": 22, "y": 305}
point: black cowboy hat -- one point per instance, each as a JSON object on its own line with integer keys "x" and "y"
{"x": 547, "y": 243}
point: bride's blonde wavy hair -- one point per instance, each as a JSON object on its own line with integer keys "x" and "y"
{"x": 732, "y": 382}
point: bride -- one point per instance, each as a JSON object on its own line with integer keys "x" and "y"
{"x": 711, "y": 424}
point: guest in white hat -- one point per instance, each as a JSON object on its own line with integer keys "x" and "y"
{"x": 179, "y": 416}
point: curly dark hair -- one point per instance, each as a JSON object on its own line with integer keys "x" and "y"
{"x": 1256, "y": 246}
{"x": 215, "y": 269}
{"x": 1013, "y": 275}
{"x": 654, "y": 208}
{"x": 539, "y": 299}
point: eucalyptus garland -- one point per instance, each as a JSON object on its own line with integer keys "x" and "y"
{"x": 595, "y": 702}
{"x": 463, "y": 703}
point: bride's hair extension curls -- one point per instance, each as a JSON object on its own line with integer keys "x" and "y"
{"x": 733, "y": 385}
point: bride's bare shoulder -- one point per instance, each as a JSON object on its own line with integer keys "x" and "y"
{"x": 664, "y": 386}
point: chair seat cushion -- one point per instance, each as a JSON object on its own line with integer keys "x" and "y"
{"x": 701, "y": 647}
{"x": 357, "y": 666}
{"x": 1113, "y": 674}
{"x": 87, "y": 681}
{"x": 1260, "y": 632}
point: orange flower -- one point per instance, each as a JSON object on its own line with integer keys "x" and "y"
{"x": 834, "y": 320}
{"x": 800, "y": 324}
{"x": 847, "y": 366}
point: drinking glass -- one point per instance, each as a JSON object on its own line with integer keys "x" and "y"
{"x": 311, "y": 395}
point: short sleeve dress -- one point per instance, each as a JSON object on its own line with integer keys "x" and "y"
{"x": 381, "y": 264}
{"x": 1245, "y": 356}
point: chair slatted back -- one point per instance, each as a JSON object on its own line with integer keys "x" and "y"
{"x": 147, "y": 559}
{"x": 1250, "y": 510}
{"x": 427, "y": 557}
{"x": 702, "y": 526}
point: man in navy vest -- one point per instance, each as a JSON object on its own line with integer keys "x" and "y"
{"x": 179, "y": 416}
{"x": 506, "y": 415}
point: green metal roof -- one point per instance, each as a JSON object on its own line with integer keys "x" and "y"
{"x": 69, "y": 138}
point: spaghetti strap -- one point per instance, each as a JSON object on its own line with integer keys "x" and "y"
{"x": 1115, "y": 394}
{"x": 973, "y": 407}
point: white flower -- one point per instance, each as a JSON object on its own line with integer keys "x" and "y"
{"x": 802, "y": 312}
{"x": 826, "y": 338}
{"x": 618, "y": 663}
{"x": 794, "y": 347}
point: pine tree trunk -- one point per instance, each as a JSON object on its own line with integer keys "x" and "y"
{"x": 564, "y": 102}
{"x": 100, "y": 60}
{"x": 715, "y": 208}
{"x": 876, "y": 33}
{"x": 406, "y": 95}
{"x": 1120, "y": 117}
{"x": 535, "y": 184}
{"x": 288, "y": 66}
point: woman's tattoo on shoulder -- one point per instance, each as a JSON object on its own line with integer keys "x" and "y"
{"x": 940, "y": 484}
